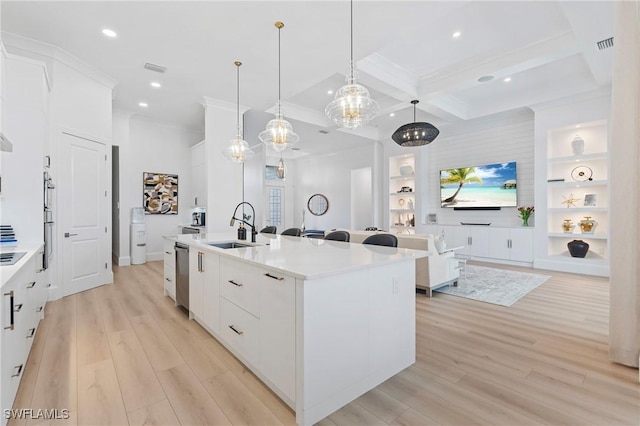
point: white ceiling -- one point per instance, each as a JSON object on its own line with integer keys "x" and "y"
{"x": 404, "y": 50}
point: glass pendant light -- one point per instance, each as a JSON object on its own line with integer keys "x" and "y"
{"x": 416, "y": 133}
{"x": 238, "y": 150}
{"x": 352, "y": 106}
{"x": 279, "y": 133}
{"x": 281, "y": 170}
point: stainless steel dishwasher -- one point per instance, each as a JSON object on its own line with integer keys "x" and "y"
{"x": 182, "y": 275}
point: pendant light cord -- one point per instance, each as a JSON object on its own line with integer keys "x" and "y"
{"x": 352, "y": 32}
{"x": 279, "y": 29}
{"x": 238, "y": 95}
{"x": 414, "y": 113}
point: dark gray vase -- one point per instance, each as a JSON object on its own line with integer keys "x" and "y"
{"x": 578, "y": 248}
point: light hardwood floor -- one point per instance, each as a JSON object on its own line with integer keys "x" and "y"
{"x": 123, "y": 354}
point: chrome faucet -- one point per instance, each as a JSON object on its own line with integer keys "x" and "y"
{"x": 253, "y": 220}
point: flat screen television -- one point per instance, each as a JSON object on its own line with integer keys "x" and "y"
{"x": 488, "y": 186}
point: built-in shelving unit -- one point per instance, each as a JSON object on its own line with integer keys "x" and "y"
{"x": 402, "y": 190}
{"x": 589, "y": 193}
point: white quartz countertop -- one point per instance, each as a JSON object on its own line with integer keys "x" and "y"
{"x": 8, "y": 271}
{"x": 305, "y": 258}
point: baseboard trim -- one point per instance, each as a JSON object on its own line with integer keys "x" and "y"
{"x": 124, "y": 261}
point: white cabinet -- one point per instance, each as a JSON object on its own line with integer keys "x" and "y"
{"x": 199, "y": 175}
{"x": 474, "y": 239}
{"x": 577, "y": 188}
{"x": 402, "y": 194}
{"x": 278, "y": 330}
{"x": 203, "y": 286}
{"x": 169, "y": 269}
{"x": 257, "y": 319}
{"x": 22, "y": 307}
{"x": 511, "y": 244}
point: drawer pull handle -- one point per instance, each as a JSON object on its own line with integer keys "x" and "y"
{"x": 236, "y": 284}
{"x": 11, "y": 325}
{"x": 32, "y": 284}
{"x": 32, "y": 331}
{"x": 17, "y": 308}
{"x": 168, "y": 252}
{"x": 168, "y": 279}
{"x": 273, "y": 276}
{"x": 39, "y": 309}
{"x": 238, "y": 332}
{"x": 19, "y": 370}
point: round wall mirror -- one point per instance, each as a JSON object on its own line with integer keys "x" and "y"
{"x": 318, "y": 204}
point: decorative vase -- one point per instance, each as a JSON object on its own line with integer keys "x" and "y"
{"x": 406, "y": 170}
{"x": 525, "y": 221}
{"x": 578, "y": 248}
{"x": 567, "y": 226}
{"x": 410, "y": 204}
{"x": 587, "y": 225}
{"x": 577, "y": 145}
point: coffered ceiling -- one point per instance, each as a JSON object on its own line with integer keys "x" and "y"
{"x": 404, "y": 51}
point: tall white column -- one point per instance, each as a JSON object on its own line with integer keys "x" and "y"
{"x": 224, "y": 177}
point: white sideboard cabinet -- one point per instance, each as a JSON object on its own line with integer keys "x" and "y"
{"x": 489, "y": 243}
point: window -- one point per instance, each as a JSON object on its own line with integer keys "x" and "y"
{"x": 275, "y": 206}
{"x": 271, "y": 173}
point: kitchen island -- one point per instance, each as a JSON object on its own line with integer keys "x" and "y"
{"x": 320, "y": 322}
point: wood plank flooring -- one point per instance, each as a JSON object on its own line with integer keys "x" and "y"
{"x": 123, "y": 354}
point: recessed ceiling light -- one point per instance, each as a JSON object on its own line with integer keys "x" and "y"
{"x": 485, "y": 78}
{"x": 393, "y": 114}
{"x": 329, "y": 92}
{"x": 508, "y": 79}
{"x": 577, "y": 126}
{"x": 143, "y": 104}
{"x": 156, "y": 84}
{"x": 456, "y": 34}
{"x": 109, "y": 33}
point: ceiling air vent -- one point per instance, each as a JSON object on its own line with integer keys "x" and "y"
{"x": 605, "y": 44}
{"x": 153, "y": 67}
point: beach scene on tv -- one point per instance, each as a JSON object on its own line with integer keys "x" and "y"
{"x": 491, "y": 185}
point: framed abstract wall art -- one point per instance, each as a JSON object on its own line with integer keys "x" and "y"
{"x": 160, "y": 193}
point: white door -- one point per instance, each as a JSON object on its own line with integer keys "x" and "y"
{"x": 84, "y": 207}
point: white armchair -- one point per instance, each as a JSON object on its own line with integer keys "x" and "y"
{"x": 434, "y": 271}
{"x": 442, "y": 268}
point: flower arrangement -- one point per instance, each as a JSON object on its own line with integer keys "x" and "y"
{"x": 525, "y": 213}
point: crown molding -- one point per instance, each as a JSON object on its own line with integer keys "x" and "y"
{"x": 223, "y": 105}
{"x": 24, "y": 46}
{"x": 603, "y": 92}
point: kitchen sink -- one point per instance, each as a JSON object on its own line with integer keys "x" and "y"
{"x": 230, "y": 245}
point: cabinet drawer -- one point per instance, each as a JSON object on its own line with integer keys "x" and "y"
{"x": 169, "y": 254}
{"x": 240, "y": 330}
{"x": 170, "y": 281}
{"x": 239, "y": 283}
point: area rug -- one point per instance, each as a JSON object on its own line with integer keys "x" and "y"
{"x": 491, "y": 285}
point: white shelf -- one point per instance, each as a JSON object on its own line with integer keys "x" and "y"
{"x": 577, "y": 235}
{"x": 570, "y": 210}
{"x": 560, "y": 163}
{"x": 578, "y": 158}
{"x": 402, "y": 193}
{"x": 403, "y": 177}
{"x": 573, "y": 184}
{"x": 402, "y": 227}
{"x": 402, "y": 210}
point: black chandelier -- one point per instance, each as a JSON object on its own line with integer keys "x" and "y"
{"x": 415, "y": 134}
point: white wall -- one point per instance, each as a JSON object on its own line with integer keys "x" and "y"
{"x": 151, "y": 146}
{"x": 499, "y": 138}
{"x": 329, "y": 175}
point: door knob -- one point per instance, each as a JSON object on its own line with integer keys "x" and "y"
{"x": 67, "y": 235}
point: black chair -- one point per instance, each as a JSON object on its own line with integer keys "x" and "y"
{"x": 338, "y": 236}
{"x": 269, "y": 230}
{"x": 388, "y": 240}
{"x": 294, "y": 232}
